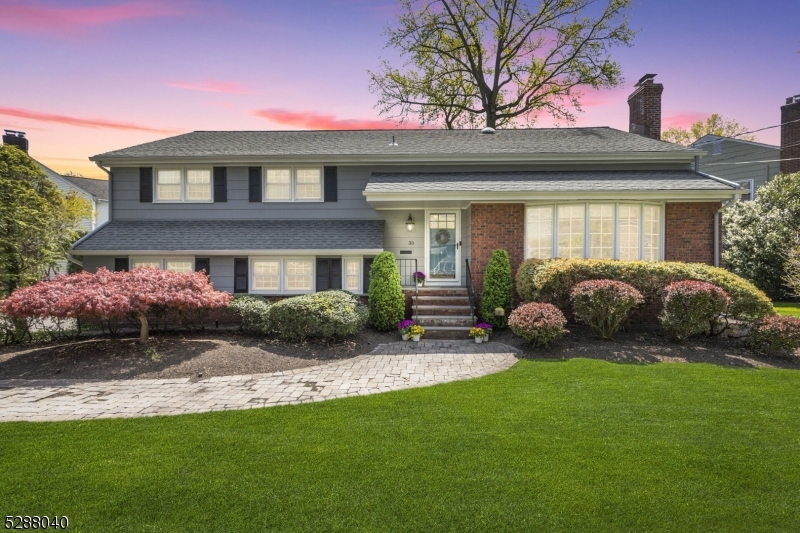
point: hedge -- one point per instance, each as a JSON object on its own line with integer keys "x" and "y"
{"x": 387, "y": 303}
{"x": 330, "y": 314}
{"x": 254, "y": 311}
{"x": 498, "y": 291}
{"x": 551, "y": 281}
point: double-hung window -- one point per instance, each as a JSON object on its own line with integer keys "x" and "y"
{"x": 183, "y": 185}
{"x": 175, "y": 264}
{"x": 595, "y": 230}
{"x": 282, "y": 275}
{"x": 293, "y": 185}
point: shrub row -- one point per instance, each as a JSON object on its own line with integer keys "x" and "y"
{"x": 693, "y": 307}
{"x": 330, "y": 314}
{"x": 552, "y": 282}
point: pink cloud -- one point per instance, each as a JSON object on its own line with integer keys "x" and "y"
{"x": 36, "y": 17}
{"x": 80, "y": 122}
{"x": 682, "y": 120}
{"x": 317, "y": 121}
{"x": 211, "y": 86}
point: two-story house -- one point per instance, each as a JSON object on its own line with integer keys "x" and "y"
{"x": 291, "y": 212}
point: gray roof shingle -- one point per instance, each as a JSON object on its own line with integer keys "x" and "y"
{"x": 97, "y": 188}
{"x": 542, "y": 181}
{"x": 211, "y": 235}
{"x": 409, "y": 142}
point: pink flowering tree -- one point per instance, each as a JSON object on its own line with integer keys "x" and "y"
{"x": 109, "y": 295}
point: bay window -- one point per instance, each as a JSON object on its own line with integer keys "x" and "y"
{"x": 183, "y": 185}
{"x": 594, "y": 230}
{"x": 293, "y": 185}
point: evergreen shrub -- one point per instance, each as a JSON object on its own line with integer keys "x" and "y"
{"x": 497, "y": 290}
{"x": 604, "y": 305}
{"x": 254, "y": 311}
{"x": 387, "y": 303}
{"x": 328, "y": 315}
{"x": 692, "y": 307}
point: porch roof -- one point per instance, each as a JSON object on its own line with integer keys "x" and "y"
{"x": 234, "y": 236}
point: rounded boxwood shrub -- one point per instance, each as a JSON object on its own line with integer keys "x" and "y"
{"x": 776, "y": 333}
{"x": 254, "y": 311}
{"x": 604, "y": 305}
{"x": 538, "y": 323}
{"x": 552, "y": 281}
{"x": 387, "y": 303}
{"x": 497, "y": 289}
{"x": 693, "y": 307}
{"x": 330, "y": 314}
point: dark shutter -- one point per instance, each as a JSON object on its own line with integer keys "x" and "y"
{"x": 220, "y": 184}
{"x": 240, "y": 275}
{"x": 202, "y": 263}
{"x": 254, "y": 174}
{"x": 331, "y": 184}
{"x": 146, "y": 184}
{"x": 329, "y": 274}
{"x": 120, "y": 264}
{"x": 367, "y": 267}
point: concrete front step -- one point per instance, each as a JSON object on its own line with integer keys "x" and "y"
{"x": 442, "y": 291}
{"x": 442, "y": 310}
{"x": 445, "y": 321}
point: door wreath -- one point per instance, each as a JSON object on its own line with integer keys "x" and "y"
{"x": 442, "y": 236}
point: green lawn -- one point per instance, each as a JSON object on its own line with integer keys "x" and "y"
{"x": 788, "y": 308}
{"x": 574, "y": 446}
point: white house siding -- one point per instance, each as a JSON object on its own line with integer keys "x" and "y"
{"x": 87, "y": 224}
{"x": 102, "y": 212}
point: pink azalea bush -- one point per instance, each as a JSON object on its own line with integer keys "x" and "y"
{"x": 692, "y": 307}
{"x": 110, "y": 295}
{"x": 776, "y": 333}
{"x": 538, "y": 323}
{"x": 604, "y": 305}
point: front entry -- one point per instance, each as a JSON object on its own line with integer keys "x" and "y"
{"x": 443, "y": 247}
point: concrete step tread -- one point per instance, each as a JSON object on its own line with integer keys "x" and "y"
{"x": 442, "y": 317}
{"x": 423, "y": 306}
{"x": 448, "y": 328}
{"x": 433, "y": 297}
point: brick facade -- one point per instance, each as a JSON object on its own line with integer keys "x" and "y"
{"x": 790, "y": 135}
{"x": 689, "y": 231}
{"x": 645, "y": 109}
{"x": 496, "y": 226}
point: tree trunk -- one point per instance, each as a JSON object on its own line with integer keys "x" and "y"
{"x": 491, "y": 118}
{"x": 144, "y": 331}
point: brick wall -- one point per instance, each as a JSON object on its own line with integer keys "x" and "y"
{"x": 645, "y": 109}
{"x": 496, "y": 226}
{"x": 790, "y": 135}
{"x": 689, "y": 232}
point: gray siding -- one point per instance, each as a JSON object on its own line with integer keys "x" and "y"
{"x": 222, "y": 273}
{"x": 738, "y": 152}
{"x": 92, "y": 262}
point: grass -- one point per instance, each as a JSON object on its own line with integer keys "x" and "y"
{"x": 580, "y": 445}
{"x": 787, "y": 308}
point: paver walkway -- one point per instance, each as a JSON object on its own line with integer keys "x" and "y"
{"x": 389, "y": 367}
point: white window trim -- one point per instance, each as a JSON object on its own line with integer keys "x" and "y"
{"x": 586, "y": 238}
{"x": 293, "y": 184}
{"x": 360, "y": 260}
{"x": 183, "y": 199}
{"x": 281, "y": 259}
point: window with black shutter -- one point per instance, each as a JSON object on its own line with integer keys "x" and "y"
{"x": 240, "y": 275}
{"x": 121, "y": 264}
{"x": 146, "y": 184}
{"x": 331, "y": 175}
{"x": 367, "y": 266}
{"x": 329, "y": 274}
{"x": 220, "y": 184}
{"x": 254, "y": 180}
{"x": 202, "y": 264}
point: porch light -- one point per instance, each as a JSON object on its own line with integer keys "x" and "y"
{"x": 410, "y": 223}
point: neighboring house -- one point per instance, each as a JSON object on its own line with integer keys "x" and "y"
{"x": 748, "y": 163}
{"x": 291, "y": 212}
{"x": 92, "y": 190}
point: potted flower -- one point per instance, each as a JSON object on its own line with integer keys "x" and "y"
{"x": 403, "y": 326}
{"x": 419, "y": 277}
{"x": 487, "y": 328}
{"x": 478, "y": 334}
{"x": 415, "y": 332}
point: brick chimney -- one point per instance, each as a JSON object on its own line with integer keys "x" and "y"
{"x": 645, "y": 108}
{"x": 16, "y": 138}
{"x": 790, "y": 135}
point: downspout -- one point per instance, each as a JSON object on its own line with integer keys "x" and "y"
{"x": 718, "y": 223}
{"x": 110, "y": 189}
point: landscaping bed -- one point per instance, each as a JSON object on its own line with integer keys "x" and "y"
{"x": 176, "y": 355}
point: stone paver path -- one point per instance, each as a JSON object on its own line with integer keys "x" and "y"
{"x": 389, "y": 367}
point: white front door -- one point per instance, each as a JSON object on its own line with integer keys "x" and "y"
{"x": 443, "y": 247}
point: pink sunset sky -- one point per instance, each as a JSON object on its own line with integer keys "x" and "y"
{"x": 82, "y": 77}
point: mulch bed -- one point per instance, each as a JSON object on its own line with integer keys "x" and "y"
{"x": 220, "y": 353}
